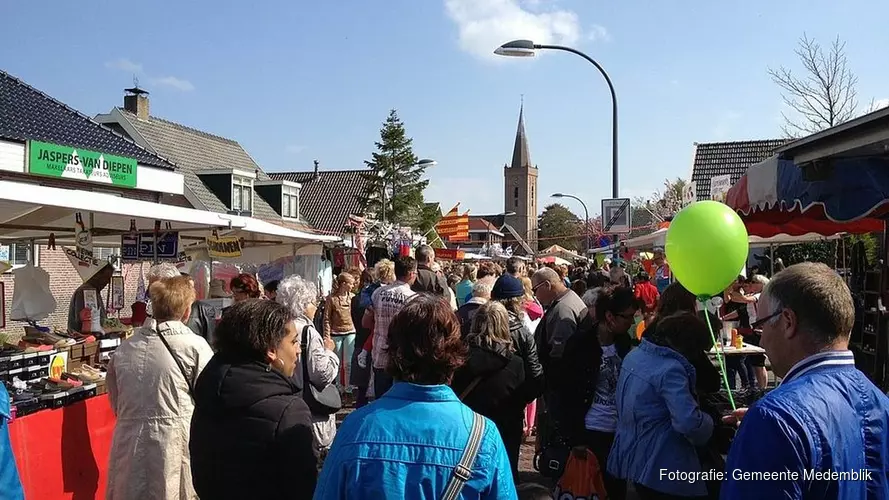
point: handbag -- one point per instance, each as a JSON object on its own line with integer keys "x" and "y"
{"x": 326, "y": 401}
{"x": 179, "y": 364}
{"x": 554, "y": 451}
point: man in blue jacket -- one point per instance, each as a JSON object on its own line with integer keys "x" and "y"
{"x": 822, "y": 434}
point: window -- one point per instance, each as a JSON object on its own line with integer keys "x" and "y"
{"x": 242, "y": 193}
{"x": 15, "y": 253}
{"x": 516, "y": 192}
{"x": 111, "y": 254}
{"x": 290, "y": 202}
{"x": 516, "y": 203}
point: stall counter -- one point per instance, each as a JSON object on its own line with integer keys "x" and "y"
{"x": 62, "y": 454}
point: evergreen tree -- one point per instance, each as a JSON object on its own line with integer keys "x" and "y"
{"x": 394, "y": 188}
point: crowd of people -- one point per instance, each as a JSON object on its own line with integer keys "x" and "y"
{"x": 452, "y": 368}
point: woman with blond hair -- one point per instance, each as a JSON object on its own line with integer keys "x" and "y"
{"x": 150, "y": 386}
{"x": 492, "y": 379}
{"x": 338, "y": 325}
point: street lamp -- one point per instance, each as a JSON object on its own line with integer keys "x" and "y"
{"x": 425, "y": 163}
{"x": 527, "y": 48}
{"x": 586, "y": 213}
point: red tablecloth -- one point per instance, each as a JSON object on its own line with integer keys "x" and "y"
{"x": 63, "y": 454}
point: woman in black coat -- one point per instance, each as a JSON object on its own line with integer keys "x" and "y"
{"x": 251, "y": 433}
{"x": 491, "y": 380}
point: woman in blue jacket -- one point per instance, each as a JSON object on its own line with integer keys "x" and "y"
{"x": 660, "y": 422}
{"x": 409, "y": 442}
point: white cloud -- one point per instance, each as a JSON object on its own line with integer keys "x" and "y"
{"x": 124, "y": 64}
{"x": 484, "y": 25}
{"x": 173, "y": 83}
{"x": 598, "y": 33}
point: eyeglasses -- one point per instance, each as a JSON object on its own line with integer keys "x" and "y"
{"x": 538, "y": 285}
{"x": 756, "y": 325}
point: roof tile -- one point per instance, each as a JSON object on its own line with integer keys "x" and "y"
{"x": 732, "y": 158}
{"x": 194, "y": 151}
{"x": 326, "y": 203}
{"x": 27, "y": 113}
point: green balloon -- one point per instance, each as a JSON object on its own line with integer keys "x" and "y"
{"x": 707, "y": 247}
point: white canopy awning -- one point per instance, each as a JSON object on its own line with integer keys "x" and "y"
{"x": 30, "y": 211}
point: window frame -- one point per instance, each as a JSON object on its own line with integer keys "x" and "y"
{"x": 292, "y": 195}
{"x": 15, "y": 266}
{"x": 240, "y": 184}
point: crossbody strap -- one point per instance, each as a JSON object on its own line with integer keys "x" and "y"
{"x": 463, "y": 470}
{"x": 179, "y": 364}
{"x": 303, "y": 354}
{"x": 470, "y": 387}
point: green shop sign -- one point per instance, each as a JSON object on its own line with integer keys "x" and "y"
{"x": 80, "y": 164}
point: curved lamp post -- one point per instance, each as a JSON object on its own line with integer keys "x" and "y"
{"x": 586, "y": 214}
{"x": 527, "y": 48}
{"x": 425, "y": 162}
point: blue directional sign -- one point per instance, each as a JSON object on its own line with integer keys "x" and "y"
{"x": 141, "y": 246}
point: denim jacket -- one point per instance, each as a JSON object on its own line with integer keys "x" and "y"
{"x": 659, "y": 421}
{"x": 826, "y": 416}
{"x": 10, "y": 485}
{"x": 406, "y": 444}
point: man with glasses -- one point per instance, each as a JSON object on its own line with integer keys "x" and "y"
{"x": 822, "y": 434}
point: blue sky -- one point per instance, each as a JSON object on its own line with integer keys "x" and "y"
{"x": 298, "y": 80}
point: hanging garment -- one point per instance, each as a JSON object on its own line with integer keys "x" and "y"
{"x": 32, "y": 299}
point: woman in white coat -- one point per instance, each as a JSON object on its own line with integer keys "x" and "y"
{"x": 321, "y": 360}
{"x": 149, "y": 382}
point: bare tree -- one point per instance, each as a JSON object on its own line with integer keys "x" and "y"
{"x": 825, "y": 96}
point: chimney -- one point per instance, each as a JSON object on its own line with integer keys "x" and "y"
{"x": 136, "y": 102}
{"x": 317, "y": 175}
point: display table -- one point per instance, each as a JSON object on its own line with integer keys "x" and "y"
{"x": 63, "y": 454}
{"x": 734, "y": 351}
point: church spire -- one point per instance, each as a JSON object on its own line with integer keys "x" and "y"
{"x": 521, "y": 155}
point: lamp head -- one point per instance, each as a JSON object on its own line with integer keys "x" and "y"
{"x": 517, "y": 48}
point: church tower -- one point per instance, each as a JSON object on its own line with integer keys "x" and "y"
{"x": 520, "y": 183}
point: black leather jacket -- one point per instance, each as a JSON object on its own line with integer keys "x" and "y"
{"x": 202, "y": 322}
{"x": 526, "y": 348}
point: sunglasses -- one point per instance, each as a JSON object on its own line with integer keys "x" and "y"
{"x": 756, "y": 325}
{"x": 538, "y": 285}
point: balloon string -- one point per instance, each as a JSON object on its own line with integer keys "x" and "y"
{"x": 719, "y": 356}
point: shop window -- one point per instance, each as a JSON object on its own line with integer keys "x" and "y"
{"x": 16, "y": 254}
{"x": 242, "y": 193}
{"x": 290, "y": 202}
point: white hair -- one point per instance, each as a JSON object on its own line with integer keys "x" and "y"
{"x": 483, "y": 288}
{"x": 759, "y": 278}
{"x": 297, "y": 294}
{"x": 590, "y": 297}
{"x": 162, "y": 271}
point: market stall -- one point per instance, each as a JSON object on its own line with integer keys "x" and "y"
{"x": 829, "y": 196}
{"x": 75, "y": 411}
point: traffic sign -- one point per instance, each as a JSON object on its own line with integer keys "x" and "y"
{"x": 616, "y": 215}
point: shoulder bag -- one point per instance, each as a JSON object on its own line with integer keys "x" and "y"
{"x": 326, "y": 401}
{"x": 178, "y": 363}
{"x": 463, "y": 470}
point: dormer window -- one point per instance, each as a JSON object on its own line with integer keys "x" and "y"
{"x": 281, "y": 195}
{"x": 290, "y": 202}
{"x": 242, "y": 193}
